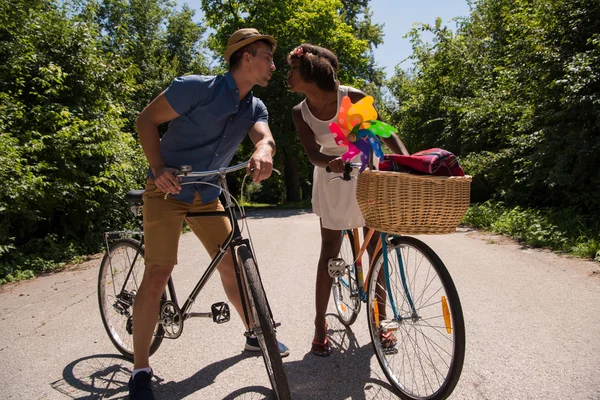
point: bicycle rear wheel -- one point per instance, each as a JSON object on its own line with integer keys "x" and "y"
{"x": 262, "y": 320}
{"x": 119, "y": 278}
{"x": 420, "y": 307}
{"x": 345, "y": 291}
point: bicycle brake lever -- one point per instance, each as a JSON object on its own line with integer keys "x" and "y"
{"x": 274, "y": 170}
{"x": 342, "y": 178}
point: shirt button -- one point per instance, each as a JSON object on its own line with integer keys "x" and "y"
{"x": 236, "y": 105}
{"x": 217, "y": 154}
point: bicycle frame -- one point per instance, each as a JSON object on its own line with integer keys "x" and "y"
{"x": 233, "y": 241}
{"x": 363, "y": 283}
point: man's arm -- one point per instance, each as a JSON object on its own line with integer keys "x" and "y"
{"x": 156, "y": 113}
{"x": 264, "y": 150}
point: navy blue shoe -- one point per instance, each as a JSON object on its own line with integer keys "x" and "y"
{"x": 252, "y": 345}
{"x": 140, "y": 387}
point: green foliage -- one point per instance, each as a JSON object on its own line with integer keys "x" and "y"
{"x": 515, "y": 92}
{"x": 563, "y": 230}
{"x": 73, "y": 80}
{"x": 343, "y": 26}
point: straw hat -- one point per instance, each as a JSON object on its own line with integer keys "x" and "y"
{"x": 242, "y": 37}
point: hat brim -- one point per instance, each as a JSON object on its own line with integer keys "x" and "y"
{"x": 236, "y": 46}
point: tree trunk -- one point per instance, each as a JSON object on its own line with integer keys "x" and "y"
{"x": 292, "y": 178}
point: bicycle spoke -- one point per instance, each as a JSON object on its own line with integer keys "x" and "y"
{"x": 116, "y": 295}
{"x": 426, "y": 360}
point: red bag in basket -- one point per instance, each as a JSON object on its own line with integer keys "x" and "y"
{"x": 427, "y": 162}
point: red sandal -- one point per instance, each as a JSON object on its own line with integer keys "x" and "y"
{"x": 387, "y": 339}
{"x": 321, "y": 349}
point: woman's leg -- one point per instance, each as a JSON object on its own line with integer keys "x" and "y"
{"x": 380, "y": 289}
{"x": 388, "y": 339}
{"x": 331, "y": 242}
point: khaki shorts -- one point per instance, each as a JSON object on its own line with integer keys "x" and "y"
{"x": 163, "y": 221}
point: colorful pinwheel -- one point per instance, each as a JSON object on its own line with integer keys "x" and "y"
{"x": 357, "y": 127}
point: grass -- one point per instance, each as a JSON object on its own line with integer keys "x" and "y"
{"x": 563, "y": 231}
{"x": 18, "y": 264}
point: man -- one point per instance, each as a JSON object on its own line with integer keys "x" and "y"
{"x": 209, "y": 117}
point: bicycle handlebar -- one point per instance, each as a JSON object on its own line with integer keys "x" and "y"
{"x": 348, "y": 169}
{"x": 186, "y": 170}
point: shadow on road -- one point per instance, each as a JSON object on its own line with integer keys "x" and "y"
{"x": 344, "y": 375}
{"x": 105, "y": 376}
{"x": 347, "y": 374}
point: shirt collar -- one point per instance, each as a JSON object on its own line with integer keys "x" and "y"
{"x": 230, "y": 81}
{"x": 232, "y": 85}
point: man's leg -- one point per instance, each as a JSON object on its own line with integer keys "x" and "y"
{"x": 212, "y": 232}
{"x": 163, "y": 219}
{"x": 230, "y": 285}
{"x": 145, "y": 311}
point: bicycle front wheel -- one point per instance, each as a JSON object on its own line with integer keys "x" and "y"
{"x": 415, "y": 320}
{"x": 262, "y": 320}
{"x": 346, "y": 296}
{"x": 119, "y": 278}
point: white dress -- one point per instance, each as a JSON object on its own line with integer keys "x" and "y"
{"x": 335, "y": 202}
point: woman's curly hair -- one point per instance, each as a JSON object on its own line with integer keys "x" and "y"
{"x": 317, "y": 64}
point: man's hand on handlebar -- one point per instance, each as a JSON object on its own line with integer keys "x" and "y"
{"x": 261, "y": 163}
{"x": 166, "y": 180}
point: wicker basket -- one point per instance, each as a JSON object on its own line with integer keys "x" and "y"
{"x": 401, "y": 203}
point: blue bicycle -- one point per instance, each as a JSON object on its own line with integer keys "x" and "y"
{"x": 414, "y": 313}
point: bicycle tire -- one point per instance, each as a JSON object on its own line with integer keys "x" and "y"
{"x": 345, "y": 290}
{"x": 117, "y": 315}
{"x": 266, "y": 333}
{"x": 437, "y": 366}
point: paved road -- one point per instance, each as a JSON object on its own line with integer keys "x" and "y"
{"x": 532, "y": 321}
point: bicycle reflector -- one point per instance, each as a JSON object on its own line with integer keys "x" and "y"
{"x": 446, "y": 312}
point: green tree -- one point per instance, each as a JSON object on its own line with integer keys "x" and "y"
{"x": 64, "y": 153}
{"x": 515, "y": 92}
{"x": 159, "y": 43}
{"x": 344, "y": 27}
{"x": 74, "y": 78}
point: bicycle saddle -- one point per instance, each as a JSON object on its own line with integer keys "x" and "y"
{"x": 135, "y": 196}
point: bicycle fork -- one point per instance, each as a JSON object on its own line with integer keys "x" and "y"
{"x": 392, "y": 325}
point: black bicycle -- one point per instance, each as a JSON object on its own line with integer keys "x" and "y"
{"x": 122, "y": 270}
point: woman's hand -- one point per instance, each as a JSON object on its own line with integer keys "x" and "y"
{"x": 337, "y": 165}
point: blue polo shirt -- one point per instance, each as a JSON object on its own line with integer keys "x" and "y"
{"x": 211, "y": 125}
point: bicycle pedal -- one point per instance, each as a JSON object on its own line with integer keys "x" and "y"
{"x": 220, "y": 312}
{"x": 389, "y": 325}
{"x": 336, "y": 267}
{"x": 389, "y": 351}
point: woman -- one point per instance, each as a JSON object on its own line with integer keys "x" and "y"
{"x": 313, "y": 73}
